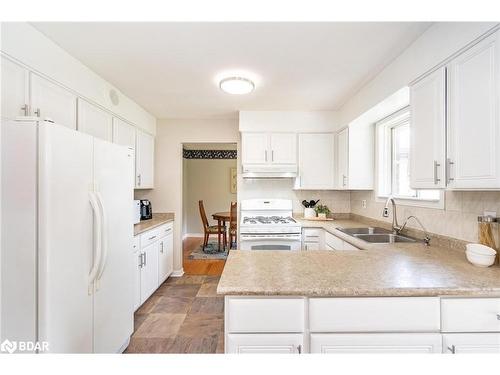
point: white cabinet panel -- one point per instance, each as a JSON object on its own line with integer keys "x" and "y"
{"x": 149, "y": 271}
{"x": 459, "y": 343}
{"x": 123, "y": 133}
{"x": 316, "y": 161}
{"x": 14, "y": 90}
{"x": 377, "y": 314}
{"x": 94, "y": 121}
{"x": 144, "y": 160}
{"x": 264, "y": 314}
{"x": 165, "y": 257}
{"x": 50, "y": 101}
{"x": 342, "y": 159}
{"x": 470, "y": 314}
{"x": 473, "y": 117}
{"x": 427, "y": 127}
{"x": 376, "y": 343}
{"x": 265, "y": 343}
{"x": 137, "y": 260}
{"x": 283, "y": 148}
{"x": 254, "y": 148}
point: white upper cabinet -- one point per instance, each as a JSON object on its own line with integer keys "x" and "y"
{"x": 427, "y": 129}
{"x": 94, "y": 121}
{"x": 473, "y": 117}
{"x": 254, "y": 148}
{"x": 283, "y": 148}
{"x": 269, "y": 148}
{"x": 51, "y": 101}
{"x": 15, "y": 88}
{"x": 316, "y": 161}
{"x": 144, "y": 160}
{"x": 342, "y": 158}
{"x": 123, "y": 133}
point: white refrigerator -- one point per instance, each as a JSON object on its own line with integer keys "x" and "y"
{"x": 67, "y": 233}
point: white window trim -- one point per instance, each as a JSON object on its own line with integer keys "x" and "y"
{"x": 383, "y": 185}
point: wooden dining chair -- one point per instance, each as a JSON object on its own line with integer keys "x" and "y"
{"x": 233, "y": 224}
{"x": 209, "y": 229}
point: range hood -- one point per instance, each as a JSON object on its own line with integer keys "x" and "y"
{"x": 269, "y": 171}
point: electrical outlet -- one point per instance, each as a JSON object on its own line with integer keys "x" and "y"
{"x": 363, "y": 203}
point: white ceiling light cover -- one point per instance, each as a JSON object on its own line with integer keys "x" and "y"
{"x": 237, "y": 85}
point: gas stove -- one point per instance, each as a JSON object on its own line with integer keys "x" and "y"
{"x": 266, "y": 220}
{"x": 268, "y": 216}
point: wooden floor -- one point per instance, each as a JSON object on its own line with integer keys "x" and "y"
{"x": 199, "y": 267}
{"x": 185, "y": 314}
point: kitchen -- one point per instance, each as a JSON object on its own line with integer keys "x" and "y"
{"x": 369, "y": 224}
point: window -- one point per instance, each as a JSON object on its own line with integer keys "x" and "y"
{"x": 393, "y": 161}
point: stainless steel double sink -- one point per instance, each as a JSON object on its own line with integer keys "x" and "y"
{"x": 376, "y": 235}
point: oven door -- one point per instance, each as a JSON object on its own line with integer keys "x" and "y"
{"x": 281, "y": 241}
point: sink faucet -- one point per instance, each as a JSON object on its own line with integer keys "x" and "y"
{"x": 396, "y": 228}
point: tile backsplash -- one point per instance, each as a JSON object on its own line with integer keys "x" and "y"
{"x": 457, "y": 220}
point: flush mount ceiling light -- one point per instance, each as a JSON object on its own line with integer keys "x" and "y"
{"x": 236, "y": 85}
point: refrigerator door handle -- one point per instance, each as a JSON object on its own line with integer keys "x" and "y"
{"x": 104, "y": 239}
{"x": 98, "y": 241}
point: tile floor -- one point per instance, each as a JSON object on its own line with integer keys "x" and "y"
{"x": 185, "y": 315}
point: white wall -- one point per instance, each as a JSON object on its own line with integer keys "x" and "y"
{"x": 207, "y": 180}
{"x": 171, "y": 134}
{"x": 26, "y": 45}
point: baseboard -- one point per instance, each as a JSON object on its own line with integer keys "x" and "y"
{"x": 177, "y": 273}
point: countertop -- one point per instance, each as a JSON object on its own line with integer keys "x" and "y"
{"x": 402, "y": 269}
{"x": 157, "y": 220}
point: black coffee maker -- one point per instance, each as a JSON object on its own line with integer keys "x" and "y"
{"x": 146, "y": 209}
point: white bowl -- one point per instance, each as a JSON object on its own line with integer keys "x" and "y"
{"x": 480, "y": 255}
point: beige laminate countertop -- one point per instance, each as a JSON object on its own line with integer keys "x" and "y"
{"x": 406, "y": 269}
{"x": 157, "y": 220}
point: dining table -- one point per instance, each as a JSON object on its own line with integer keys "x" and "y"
{"x": 221, "y": 218}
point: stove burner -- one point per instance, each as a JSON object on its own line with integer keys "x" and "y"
{"x": 268, "y": 220}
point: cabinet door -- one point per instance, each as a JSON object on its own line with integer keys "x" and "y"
{"x": 149, "y": 271}
{"x": 14, "y": 90}
{"x": 474, "y": 117}
{"x": 316, "y": 161}
{"x": 254, "y": 147}
{"x": 283, "y": 148}
{"x": 272, "y": 343}
{"x": 457, "y": 343}
{"x": 137, "y": 259}
{"x": 326, "y": 343}
{"x": 94, "y": 121}
{"x": 165, "y": 257}
{"x": 51, "y": 101}
{"x": 144, "y": 160}
{"x": 342, "y": 159}
{"x": 427, "y": 129}
{"x": 123, "y": 133}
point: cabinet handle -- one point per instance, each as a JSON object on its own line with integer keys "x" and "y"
{"x": 152, "y": 238}
{"x": 452, "y": 349}
{"x": 145, "y": 259}
{"x": 498, "y": 316}
{"x": 140, "y": 260}
{"x": 139, "y": 179}
{"x": 299, "y": 349}
{"x": 26, "y": 109}
{"x": 344, "y": 177}
{"x": 265, "y": 153}
{"x": 161, "y": 247}
{"x": 436, "y": 179}
{"x": 449, "y": 163}
{"x": 37, "y": 112}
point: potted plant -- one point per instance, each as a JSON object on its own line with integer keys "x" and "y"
{"x": 322, "y": 210}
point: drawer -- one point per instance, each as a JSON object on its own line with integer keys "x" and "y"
{"x": 334, "y": 242}
{"x": 377, "y": 314}
{"x": 149, "y": 237}
{"x": 261, "y": 315}
{"x": 166, "y": 229}
{"x": 136, "y": 244}
{"x": 313, "y": 234}
{"x": 470, "y": 314}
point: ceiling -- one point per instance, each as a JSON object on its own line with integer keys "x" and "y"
{"x": 170, "y": 69}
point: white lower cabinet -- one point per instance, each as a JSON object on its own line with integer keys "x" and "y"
{"x": 166, "y": 256}
{"x": 149, "y": 271}
{"x": 265, "y": 343}
{"x": 458, "y": 343}
{"x": 375, "y": 343}
{"x": 334, "y": 243}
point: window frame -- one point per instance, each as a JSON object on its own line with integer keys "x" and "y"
{"x": 384, "y": 162}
